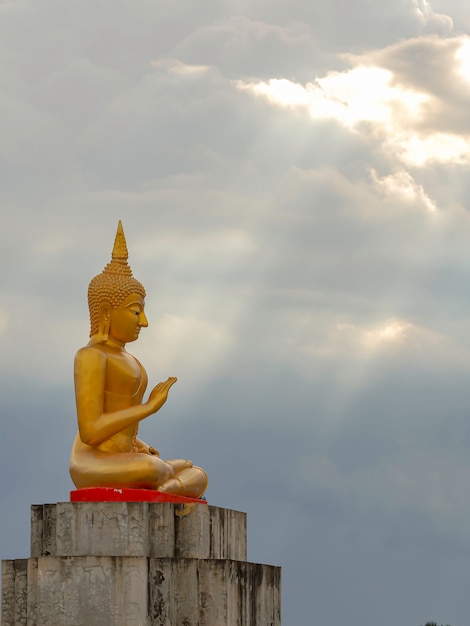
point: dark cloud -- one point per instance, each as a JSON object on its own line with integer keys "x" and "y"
{"x": 243, "y": 47}
{"x": 341, "y": 26}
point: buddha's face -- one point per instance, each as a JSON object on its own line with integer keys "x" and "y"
{"x": 127, "y": 319}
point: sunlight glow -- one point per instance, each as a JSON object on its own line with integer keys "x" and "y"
{"x": 362, "y": 94}
{"x": 358, "y": 95}
{"x": 393, "y": 331}
{"x": 462, "y": 56}
{"x": 200, "y": 341}
{"x": 387, "y": 334}
{"x": 439, "y": 147}
{"x": 280, "y": 91}
{"x": 365, "y": 100}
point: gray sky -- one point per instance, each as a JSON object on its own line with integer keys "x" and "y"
{"x": 293, "y": 180}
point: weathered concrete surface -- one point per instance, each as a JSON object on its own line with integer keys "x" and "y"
{"x": 138, "y": 564}
{"x": 139, "y": 591}
{"x": 195, "y": 592}
{"x": 137, "y": 529}
{"x": 82, "y": 591}
{"x": 14, "y": 592}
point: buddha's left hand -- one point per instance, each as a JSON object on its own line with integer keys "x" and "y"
{"x": 159, "y": 393}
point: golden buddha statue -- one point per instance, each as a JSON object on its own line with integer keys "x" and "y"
{"x": 109, "y": 387}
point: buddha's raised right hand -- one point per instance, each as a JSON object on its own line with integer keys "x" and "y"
{"x": 159, "y": 393}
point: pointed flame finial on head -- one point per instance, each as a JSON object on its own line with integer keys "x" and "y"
{"x": 120, "y": 253}
{"x": 119, "y": 256}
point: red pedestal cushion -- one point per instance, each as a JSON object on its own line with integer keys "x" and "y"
{"x": 123, "y": 494}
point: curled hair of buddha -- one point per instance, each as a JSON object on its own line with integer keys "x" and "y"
{"x": 114, "y": 283}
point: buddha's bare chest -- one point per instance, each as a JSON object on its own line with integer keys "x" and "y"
{"x": 124, "y": 375}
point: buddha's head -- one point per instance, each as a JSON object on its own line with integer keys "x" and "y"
{"x": 112, "y": 287}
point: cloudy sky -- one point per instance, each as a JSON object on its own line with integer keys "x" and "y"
{"x": 293, "y": 180}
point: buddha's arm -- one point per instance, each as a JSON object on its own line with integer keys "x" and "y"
{"x": 142, "y": 446}
{"x": 94, "y": 425}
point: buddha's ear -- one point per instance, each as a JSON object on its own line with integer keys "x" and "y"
{"x": 104, "y": 311}
{"x": 104, "y": 320}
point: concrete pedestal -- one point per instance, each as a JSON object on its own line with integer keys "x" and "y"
{"x": 138, "y": 564}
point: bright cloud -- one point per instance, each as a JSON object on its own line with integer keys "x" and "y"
{"x": 364, "y": 94}
{"x": 392, "y": 332}
{"x": 350, "y": 339}
{"x": 402, "y": 186}
{"x": 438, "y": 147}
{"x": 387, "y": 334}
{"x": 462, "y": 57}
{"x": 367, "y": 100}
{"x": 357, "y": 95}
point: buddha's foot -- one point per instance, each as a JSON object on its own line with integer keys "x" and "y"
{"x": 191, "y": 482}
